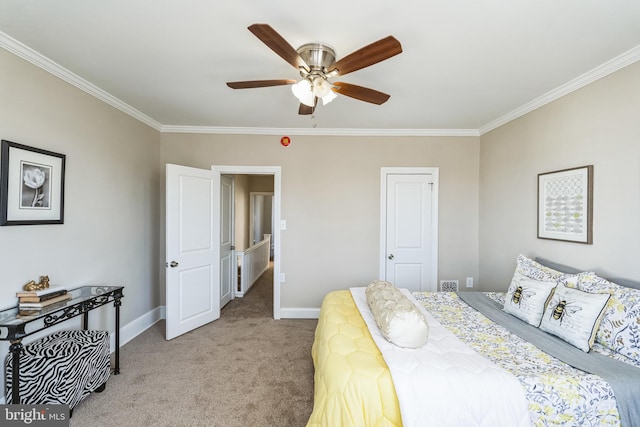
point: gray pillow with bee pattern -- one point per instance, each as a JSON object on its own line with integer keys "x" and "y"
{"x": 574, "y": 315}
{"x": 526, "y": 298}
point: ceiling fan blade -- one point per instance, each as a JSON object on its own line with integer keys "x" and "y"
{"x": 259, "y": 83}
{"x": 371, "y": 54}
{"x": 359, "y": 92}
{"x": 305, "y": 110}
{"x": 278, "y": 44}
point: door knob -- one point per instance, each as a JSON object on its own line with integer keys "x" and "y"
{"x": 173, "y": 264}
{"x": 390, "y": 256}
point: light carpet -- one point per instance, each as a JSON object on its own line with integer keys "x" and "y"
{"x": 245, "y": 369}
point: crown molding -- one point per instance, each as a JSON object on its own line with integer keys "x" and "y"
{"x": 19, "y": 49}
{"x": 609, "y": 67}
{"x": 317, "y": 131}
{"x": 25, "y": 52}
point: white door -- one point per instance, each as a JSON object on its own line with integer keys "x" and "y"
{"x": 410, "y": 231}
{"x": 226, "y": 241}
{"x": 192, "y": 248}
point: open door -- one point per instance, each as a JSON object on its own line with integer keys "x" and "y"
{"x": 192, "y": 248}
{"x": 227, "y": 250}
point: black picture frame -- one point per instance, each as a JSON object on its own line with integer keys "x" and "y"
{"x": 31, "y": 185}
{"x": 565, "y": 205}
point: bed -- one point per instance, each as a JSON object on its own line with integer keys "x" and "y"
{"x": 484, "y": 363}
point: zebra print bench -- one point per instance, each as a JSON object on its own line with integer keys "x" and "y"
{"x": 61, "y": 368}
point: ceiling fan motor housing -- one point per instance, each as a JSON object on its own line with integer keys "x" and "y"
{"x": 319, "y": 57}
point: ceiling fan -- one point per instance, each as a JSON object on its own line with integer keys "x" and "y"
{"x": 317, "y": 63}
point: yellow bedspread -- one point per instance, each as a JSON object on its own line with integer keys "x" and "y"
{"x": 352, "y": 383}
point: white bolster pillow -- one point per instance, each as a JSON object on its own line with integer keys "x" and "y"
{"x": 399, "y": 320}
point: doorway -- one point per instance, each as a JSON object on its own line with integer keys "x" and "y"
{"x": 274, "y": 172}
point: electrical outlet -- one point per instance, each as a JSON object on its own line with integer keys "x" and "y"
{"x": 469, "y": 282}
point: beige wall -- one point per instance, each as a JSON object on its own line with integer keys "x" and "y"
{"x": 111, "y": 222}
{"x": 114, "y": 219}
{"x": 331, "y": 201}
{"x": 597, "y": 125}
{"x": 114, "y": 231}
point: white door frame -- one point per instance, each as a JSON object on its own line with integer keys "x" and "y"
{"x": 384, "y": 172}
{"x": 276, "y": 171}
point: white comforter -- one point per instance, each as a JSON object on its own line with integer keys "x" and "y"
{"x": 446, "y": 383}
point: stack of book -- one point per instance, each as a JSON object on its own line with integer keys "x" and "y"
{"x": 33, "y": 301}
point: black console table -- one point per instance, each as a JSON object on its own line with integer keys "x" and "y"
{"x": 14, "y": 326}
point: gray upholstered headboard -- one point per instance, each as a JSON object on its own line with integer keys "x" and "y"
{"x": 566, "y": 269}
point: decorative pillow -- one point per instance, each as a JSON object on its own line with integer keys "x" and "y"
{"x": 399, "y": 320}
{"x": 572, "y": 280}
{"x": 620, "y": 326}
{"x": 589, "y": 281}
{"x": 574, "y": 316}
{"x": 535, "y": 270}
{"x": 526, "y": 298}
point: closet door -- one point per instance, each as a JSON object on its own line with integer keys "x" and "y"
{"x": 410, "y": 231}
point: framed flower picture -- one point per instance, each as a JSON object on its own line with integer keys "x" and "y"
{"x": 31, "y": 185}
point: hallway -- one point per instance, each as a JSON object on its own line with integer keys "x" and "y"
{"x": 257, "y": 302}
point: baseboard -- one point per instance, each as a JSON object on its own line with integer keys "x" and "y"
{"x": 138, "y": 326}
{"x": 285, "y": 313}
{"x": 299, "y": 313}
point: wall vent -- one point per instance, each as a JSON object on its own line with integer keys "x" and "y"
{"x": 448, "y": 286}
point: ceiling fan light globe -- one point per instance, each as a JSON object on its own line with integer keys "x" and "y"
{"x": 302, "y": 91}
{"x": 329, "y": 97}
{"x": 321, "y": 87}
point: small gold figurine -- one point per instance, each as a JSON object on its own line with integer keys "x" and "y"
{"x": 44, "y": 282}
{"x": 32, "y": 286}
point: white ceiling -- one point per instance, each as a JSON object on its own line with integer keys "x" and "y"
{"x": 467, "y": 65}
